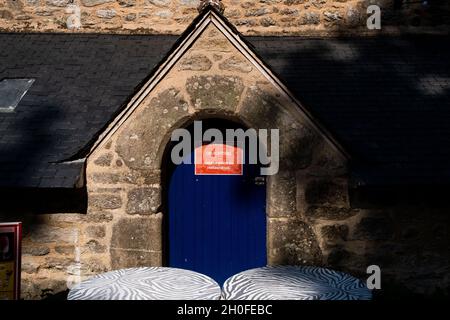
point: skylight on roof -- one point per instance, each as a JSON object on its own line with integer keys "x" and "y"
{"x": 12, "y": 91}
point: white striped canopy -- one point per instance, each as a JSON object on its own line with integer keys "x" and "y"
{"x": 147, "y": 284}
{"x": 294, "y": 283}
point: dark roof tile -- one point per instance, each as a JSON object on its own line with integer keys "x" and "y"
{"x": 385, "y": 99}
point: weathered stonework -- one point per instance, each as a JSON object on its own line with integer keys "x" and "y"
{"x": 215, "y": 92}
{"x": 44, "y": 234}
{"x": 105, "y": 201}
{"x": 330, "y": 213}
{"x": 335, "y": 233}
{"x": 134, "y": 258}
{"x": 104, "y": 160}
{"x": 65, "y": 249}
{"x": 281, "y": 195}
{"x": 143, "y": 201}
{"x": 237, "y": 64}
{"x": 136, "y": 144}
{"x": 310, "y": 17}
{"x": 36, "y": 250}
{"x": 293, "y": 242}
{"x": 310, "y": 219}
{"x": 137, "y": 234}
{"x": 96, "y": 231}
{"x": 123, "y": 226}
{"x": 196, "y": 62}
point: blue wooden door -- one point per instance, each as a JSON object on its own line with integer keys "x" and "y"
{"x": 217, "y": 223}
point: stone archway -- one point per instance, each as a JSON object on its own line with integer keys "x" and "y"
{"x": 124, "y": 179}
{"x": 290, "y": 239}
{"x": 212, "y": 78}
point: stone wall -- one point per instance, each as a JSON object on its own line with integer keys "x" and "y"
{"x": 259, "y": 17}
{"x": 55, "y": 248}
{"x": 410, "y": 243}
{"x": 310, "y": 216}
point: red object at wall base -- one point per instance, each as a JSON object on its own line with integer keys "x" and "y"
{"x": 10, "y": 260}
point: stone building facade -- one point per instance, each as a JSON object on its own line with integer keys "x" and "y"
{"x": 265, "y": 17}
{"x": 123, "y": 226}
{"x": 314, "y": 215}
{"x": 311, "y": 218}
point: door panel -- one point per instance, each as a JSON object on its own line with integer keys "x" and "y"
{"x": 217, "y": 223}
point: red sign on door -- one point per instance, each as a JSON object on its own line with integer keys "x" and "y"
{"x": 218, "y": 159}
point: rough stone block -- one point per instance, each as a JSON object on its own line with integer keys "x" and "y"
{"x": 134, "y": 258}
{"x": 267, "y": 22}
{"x": 30, "y": 267}
{"x": 57, "y": 263}
{"x": 142, "y": 177}
{"x": 216, "y": 43}
{"x": 106, "y": 13}
{"x": 127, "y": 3}
{"x": 354, "y": 17}
{"x": 310, "y": 18}
{"x": 282, "y": 195}
{"x": 65, "y": 249}
{"x": 144, "y": 200}
{"x": 335, "y": 233}
{"x": 332, "y": 18}
{"x": 104, "y": 201}
{"x": 215, "y": 92}
{"x": 330, "y": 213}
{"x": 57, "y": 3}
{"x": 93, "y": 3}
{"x": 6, "y": 14}
{"x": 195, "y": 62}
{"x": 35, "y": 250}
{"x": 41, "y": 288}
{"x": 159, "y": 3}
{"x": 292, "y": 242}
{"x": 257, "y": 12}
{"x": 95, "y": 247}
{"x": 98, "y": 217}
{"x": 96, "y": 231}
{"x": 95, "y": 266}
{"x": 46, "y": 234}
{"x": 236, "y": 64}
{"x": 138, "y": 233}
{"x": 87, "y": 267}
{"x": 104, "y": 178}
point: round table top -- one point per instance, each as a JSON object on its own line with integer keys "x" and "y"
{"x": 147, "y": 284}
{"x": 294, "y": 283}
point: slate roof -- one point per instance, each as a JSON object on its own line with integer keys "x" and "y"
{"x": 385, "y": 99}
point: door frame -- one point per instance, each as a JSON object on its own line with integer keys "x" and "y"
{"x": 167, "y": 166}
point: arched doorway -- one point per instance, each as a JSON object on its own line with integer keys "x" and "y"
{"x": 215, "y": 224}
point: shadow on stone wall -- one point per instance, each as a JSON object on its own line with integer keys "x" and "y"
{"x": 393, "y": 126}
{"x": 385, "y": 99}
{"x": 415, "y": 13}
